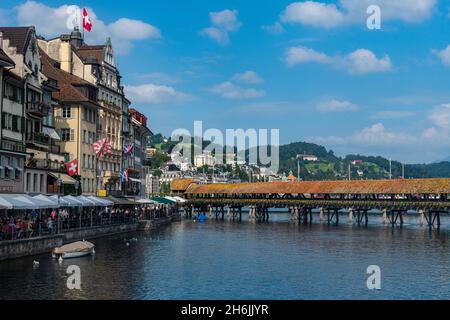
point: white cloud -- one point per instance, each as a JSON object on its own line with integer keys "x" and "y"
{"x": 440, "y": 116}
{"x": 300, "y": 54}
{"x": 312, "y": 13}
{"x": 344, "y": 12}
{"x": 364, "y": 61}
{"x": 276, "y": 28}
{"x": 231, "y": 91}
{"x": 133, "y": 29}
{"x": 410, "y": 11}
{"x": 360, "y": 61}
{"x": 336, "y": 106}
{"x": 223, "y": 23}
{"x": 439, "y": 132}
{"x": 375, "y": 135}
{"x": 226, "y": 20}
{"x": 155, "y": 94}
{"x": 444, "y": 55}
{"x": 217, "y": 35}
{"x": 123, "y": 31}
{"x": 248, "y": 77}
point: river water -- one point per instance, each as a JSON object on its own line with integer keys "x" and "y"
{"x": 225, "y": 260}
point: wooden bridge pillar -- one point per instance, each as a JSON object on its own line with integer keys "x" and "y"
{"x": 350, "y": 215}
{"x": 385, "y": 218}
{"x": 362, "y": 215}
{"x": 294, "y": 214}
{"x": 421, "y": 217}
{"x": 229, "y": 214}
{"x": 252, "y": 214}
{"x": 210, "y": 209}
{"x": 434, "y": 219}
{"x": 321, "y": 214}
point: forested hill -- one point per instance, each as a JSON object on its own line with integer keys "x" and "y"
{"x": 329, "y": 166}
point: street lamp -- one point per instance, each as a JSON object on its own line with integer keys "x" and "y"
{"x": 59, "y": 184}
{"x": 77, "y": 186}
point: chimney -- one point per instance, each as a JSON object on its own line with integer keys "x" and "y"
{"x": 65, "y": 54}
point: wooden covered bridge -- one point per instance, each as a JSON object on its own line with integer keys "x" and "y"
{"x": 394, "y": 198}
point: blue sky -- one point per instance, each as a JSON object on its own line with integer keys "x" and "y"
{"x": 310, "y": 68}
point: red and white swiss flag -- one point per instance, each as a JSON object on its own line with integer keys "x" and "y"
{"x": 87, "y": 24}
{"x": 72, "y": 167}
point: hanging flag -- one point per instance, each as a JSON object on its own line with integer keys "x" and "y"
{"x": 127, "y": 149}
{"x": 124, "y": 176}
{"x": 87, "y": 24}
{"x": 102, "y": 147}
{"x": 72, "y": 167}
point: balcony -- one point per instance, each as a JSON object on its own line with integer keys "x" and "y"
{"x": 52, "y": 165}
{"x": 38, "y": 138}
{"x": 13, "y": 146}
{"x": 38, "y": 109}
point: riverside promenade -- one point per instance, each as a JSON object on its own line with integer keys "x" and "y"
{"x": 33, "y": 225}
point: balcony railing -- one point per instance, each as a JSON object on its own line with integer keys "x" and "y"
{"x": 46, "y": 164}
{"x": 38, "y": 138}
{"x": 13, "y": 146}
{"x": 38, "y": 108}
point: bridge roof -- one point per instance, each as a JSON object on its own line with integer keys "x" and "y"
{"x": 181, "y": 184}
{"x": 401, "y": 186}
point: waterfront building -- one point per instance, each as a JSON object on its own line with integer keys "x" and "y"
{"x": 76, "y": 120}
{"x": 139, "y": 137}
{"x": 27, "y": 115}
{"x": 12, "y": 138}
{"x": 96, "y": 65}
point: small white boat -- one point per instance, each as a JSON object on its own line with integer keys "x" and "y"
{"x": 74, "y": 250}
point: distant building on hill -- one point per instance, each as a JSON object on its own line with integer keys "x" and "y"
{"x": 307, "y": 157}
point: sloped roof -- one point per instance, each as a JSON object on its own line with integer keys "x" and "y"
{"x": 4, "y": 57}
{"x": 18, "y": 37}
{"x": 400, "y": 186}
{"x": 87, "y": 51}
{"x": 181, "y": 184}
{"x": 67, "y": 82}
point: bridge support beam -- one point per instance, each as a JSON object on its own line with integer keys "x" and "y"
{"x": 362, "y": 216}
{"x": 333, "y": 215}
{"x": 229, "y": 214}
{"x": 321, "y": 214}
{"x": 250, "y": 214}
{"x": 210, "y": 211}
{"x": 385, "y": 218}
{"x": 421, "y": 217}
{"x": 396, "y": 216}
{"x": 294, "y": 215}
{"x": 350, "y": 215}
{"x": 433, "y": 219}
